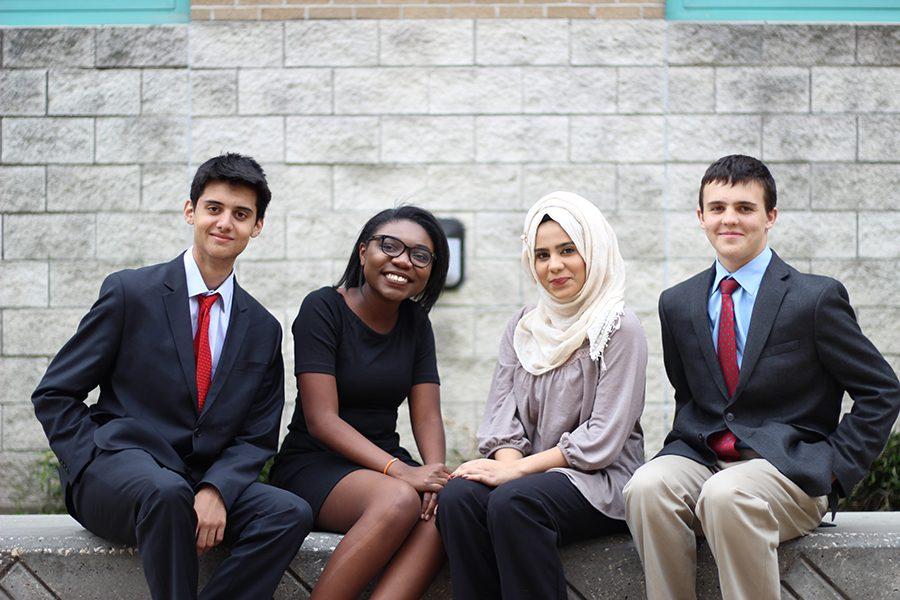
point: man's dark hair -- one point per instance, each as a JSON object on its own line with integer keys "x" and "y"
{"x": 235, "y": 169}
{"x": 353, "y": 274}
{"x": 736, "y": 169}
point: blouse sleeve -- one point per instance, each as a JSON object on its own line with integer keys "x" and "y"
{"x": 316, "y": 333}
{"x": 618, "y": 402}
{"x": 425, "y": 368}
{"x": 501, "y": 426}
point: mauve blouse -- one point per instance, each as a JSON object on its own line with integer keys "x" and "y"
{"x": 591, "y": 413}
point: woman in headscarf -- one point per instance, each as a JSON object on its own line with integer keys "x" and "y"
{"x": 561, "y": 433}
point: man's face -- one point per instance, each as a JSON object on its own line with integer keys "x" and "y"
{"x": 224, "y": 220}
{"x": 735, "y": 220}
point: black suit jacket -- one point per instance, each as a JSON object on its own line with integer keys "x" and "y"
{"x": 804, "y": 349}
{"x": 135, "y": 343}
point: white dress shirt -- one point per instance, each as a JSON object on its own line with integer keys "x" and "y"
{"x": 219, "y": 314}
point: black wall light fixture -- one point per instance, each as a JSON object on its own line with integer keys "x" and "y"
{"x": 455, "y": 232}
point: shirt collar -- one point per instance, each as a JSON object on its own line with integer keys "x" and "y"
{"x": 749, "y": 276}
{"x": 196, "y": 285}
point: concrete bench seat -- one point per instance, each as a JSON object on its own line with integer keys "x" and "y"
{"x": 52, "y": 556}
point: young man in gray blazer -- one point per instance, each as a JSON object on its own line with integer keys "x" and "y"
{"x": 759, "y": 356}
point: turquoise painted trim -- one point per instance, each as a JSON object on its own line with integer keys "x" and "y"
{"x": 29, "y": 13}
{"x": 857, "y": 11}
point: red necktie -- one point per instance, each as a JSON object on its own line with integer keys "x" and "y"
{"x": 723, "y": 442}
{"x": 202, "y": 352}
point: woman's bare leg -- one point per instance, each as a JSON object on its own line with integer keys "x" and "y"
{"x": 414, "y": 566}
{"x": 377, "y": 513}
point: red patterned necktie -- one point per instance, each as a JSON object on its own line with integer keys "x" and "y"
{"x": 202, "y": 352}
{"x": 723, "y": 442}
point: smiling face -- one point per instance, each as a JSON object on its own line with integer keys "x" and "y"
{"x": 396, "y": 278}
{"x": 224, "y": 220}
{"x": 560, "y": 268}
{"x": 735, "y": 221}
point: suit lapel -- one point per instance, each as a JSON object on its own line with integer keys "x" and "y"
{"x": 772, "y": 288}
{"x": 238, "y": 323}
{"x": 179, "y": 315}
{"x": 699, "y": 300}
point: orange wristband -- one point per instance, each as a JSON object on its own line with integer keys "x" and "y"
{"x": 388, "y": 465}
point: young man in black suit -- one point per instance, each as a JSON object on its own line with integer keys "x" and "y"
{"x": 759, "y": 356}
{"x": 191, "y": 391}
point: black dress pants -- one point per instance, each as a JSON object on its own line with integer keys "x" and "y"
{"x": 503, "y": 542}
{"x": 127, "y": 497}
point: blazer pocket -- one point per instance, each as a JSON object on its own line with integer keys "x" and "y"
{"x": 780, "y": 348}
{"x": 251, "y": 366}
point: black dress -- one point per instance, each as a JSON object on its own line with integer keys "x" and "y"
{"x": 374, "y": 373}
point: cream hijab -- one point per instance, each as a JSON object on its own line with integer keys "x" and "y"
{"x": 548, "y": 335}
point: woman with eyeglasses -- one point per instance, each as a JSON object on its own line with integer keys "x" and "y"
{"x": 561, "y": 433}
{"x": 361, "y": 348}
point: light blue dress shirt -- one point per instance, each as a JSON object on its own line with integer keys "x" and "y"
{"x": 219, "y": 314}
{"x": 749, "y": 277}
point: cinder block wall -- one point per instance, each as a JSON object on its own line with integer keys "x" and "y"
{"x": 101, "y": 129}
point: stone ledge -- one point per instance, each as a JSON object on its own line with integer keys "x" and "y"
{"x": 52, "y": 556}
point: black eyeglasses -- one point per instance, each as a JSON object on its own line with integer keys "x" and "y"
{"x": 418, "y": 256}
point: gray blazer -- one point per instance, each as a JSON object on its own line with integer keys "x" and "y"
{"x": 803, "y": 351}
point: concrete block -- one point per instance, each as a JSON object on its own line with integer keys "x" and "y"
{"x": 522, "y": 42}
{"x": 332, "y": 139}
{"x": 381, "y": 90}
{"x": 809, "y": 137}
{"x": 282, "y": 285}
{"x": 38, "y": 331}
{"x": 47, "y": 139}
{"x": 656, "y": 421}
{"x": 478, "y": 90}
{"x": 159, "y": 237}
{"x": 793, "y": 185}
{"x": 260, "y": 137}
{"x": 596, "y": 183}
{"x": 330, "y": 43}
{"x": 489, "y": 281}
{"x": 298, "y": 189}
{"x": 762, "y": 89}
{"x": 617, "y": 139}
{"x": 93, "y": 187}
{"x": 21, "y": 189}
{"x": 270, "y": 243}
{"x": 213, "y": 92}
{"x": 815, "y": 235}
{"x": 649, "y": 319}
{"x": 855, "y": 89}
{"x": 24, "y": 283}
{"x": 640, "y": 233}
{"x": 687, "y": 240}
{"x": 324, "y": 236}
{"x": 165, "y": 91}
{"x": 427, "y": 139}
{"x": 23, "y": 92}
{"x": 684, "y": 186}
{"x": 878, "y": 234}
{"x": 521, "y": 139}
{"x": 691, "y": 89}
{"x": 436, "y": 187}
{"x": 142, "y": 46}
{"x": 641, "y": 89}
{"x": 569, "y": 90}
{"x": 498, "y": 235}
{"x": 164, "y": 188}
{"x": 613, "y": 42}
{"x": 237, "y": 44}
{"x": 880, "y": 325}
{"x": 645, "y": 281}
{"x": 851, "y": 186}
{"x": 76, "y": 283}
{"x": 715, "y": 44}
{"x": 454, "y": 331}
{"x": 21, "y": 429}
{"x": 426, "y": 42}
{"x": 808, "y": 44}
{"x": 706, "y": 138}
{"x": 50, "y": 47}
{"x": 864, "y": 279}
{"x": 878, "y": 45}
{"x": 641, "y": 187}
{"x": 284, "y": 91}
{"x": 879, "y": 137}
{"x": 94, "y": 92}
{"x": 48, "y": 236}
{"x": 20, "y": 376}
{"x": 162, "y": 139}
{"x": 490, "y": 325}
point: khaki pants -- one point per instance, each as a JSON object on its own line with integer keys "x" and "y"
{"x": 743, "y": 508}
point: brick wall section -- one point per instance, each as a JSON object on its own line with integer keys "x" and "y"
{"x": 268, "y": 10}
{"x": 100, "y": 129}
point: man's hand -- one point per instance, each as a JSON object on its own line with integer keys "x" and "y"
{"x": 489, "y": 472}
{"x": 211, "y": 516}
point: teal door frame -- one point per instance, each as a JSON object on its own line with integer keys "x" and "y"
{"x": 26, "y": 13}
{"x": 855, "y": 11}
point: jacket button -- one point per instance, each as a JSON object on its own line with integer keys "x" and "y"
{"x": 700, "y": 436}
{"x": 729, "y": 417}
{"x": 197, "y": 432}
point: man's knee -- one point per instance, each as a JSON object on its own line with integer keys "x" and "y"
{"x": 169, "y": 494}
{"x": 724, "y": 494}
{"x": 646, "y": 483}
